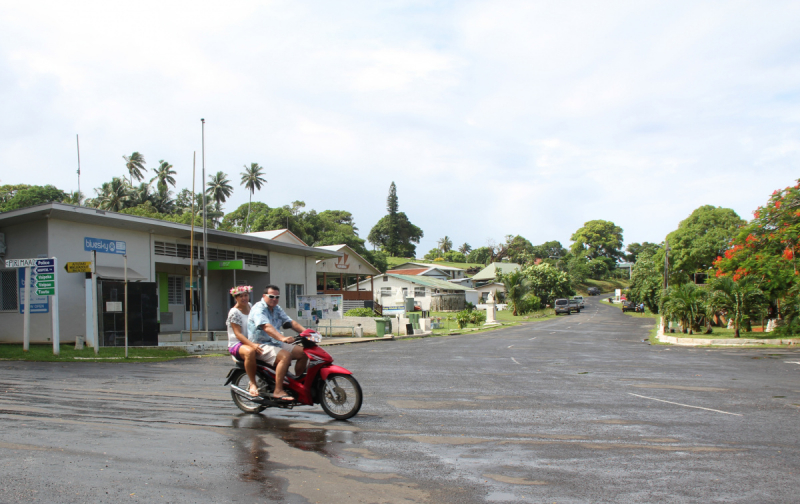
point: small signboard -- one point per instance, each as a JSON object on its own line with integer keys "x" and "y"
{"x": 104, "y": 246}
{"x": 78, "y": 267}
{"x": 225, "y": 265}
{"x": 394, "y": 310}
{"x": 320, "y": 307}
{"x": 39, "y": 303}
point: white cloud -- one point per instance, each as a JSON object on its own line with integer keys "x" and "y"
{"x": 493, "y": 118}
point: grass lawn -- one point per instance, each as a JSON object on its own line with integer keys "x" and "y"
{"x": 603, "y": 285}
{"x": 505, "y": 316}
{"x": 44, "y": 353}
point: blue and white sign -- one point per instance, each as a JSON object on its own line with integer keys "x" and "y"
{"x": 105, "y": 246}
{"x": 39, "y": 304}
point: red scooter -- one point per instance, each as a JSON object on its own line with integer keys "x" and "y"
{"x": 333, "y": 387}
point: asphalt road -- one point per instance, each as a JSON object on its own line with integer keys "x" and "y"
{"x": 575, "y": 409}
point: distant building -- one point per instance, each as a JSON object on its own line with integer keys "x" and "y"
{"x": 450, "y": 271}
{"x": 335, "y": 274}
{"x": 391, "y": 289}
{"x": 489, "y": 273}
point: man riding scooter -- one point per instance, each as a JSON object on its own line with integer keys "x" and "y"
{"x": 263, "y": 324}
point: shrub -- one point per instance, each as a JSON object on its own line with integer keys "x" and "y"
{"x": 477, "y": 317}
{"x": 463, "y": 318}
{"x": 360, "y": 312}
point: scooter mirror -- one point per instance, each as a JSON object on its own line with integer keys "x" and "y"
{"x": 287, "y": 325}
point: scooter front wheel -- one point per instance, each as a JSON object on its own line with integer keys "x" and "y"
{"x": 341, "y": 396}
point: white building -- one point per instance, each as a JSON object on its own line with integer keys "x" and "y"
{"x": 389, "y": 288}
{"x": 158, "y": 255}
{"x": 450, "y": 271}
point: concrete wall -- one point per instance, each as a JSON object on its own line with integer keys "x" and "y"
{"x": 292, "y": 269}
{"x": 26, "y": 241}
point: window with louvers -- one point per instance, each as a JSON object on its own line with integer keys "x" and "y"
{"x": 175, "y": 290}
{"x": 253, "y": 259}
{"x": 292, "y": 291}
{"x": 8, "y": 290}
{"x": 182, "y": 250}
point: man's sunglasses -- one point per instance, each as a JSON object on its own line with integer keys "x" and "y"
{"x": 273, "y": 296}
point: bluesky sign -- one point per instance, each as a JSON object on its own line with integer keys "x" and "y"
{"x": 105, "y": 246}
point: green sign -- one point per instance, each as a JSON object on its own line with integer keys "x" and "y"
{"x": 45, "y": 285}
{"x": 47, "y": 277}
{"x": 45, "y": 292}
{"x": 225, "y": 265}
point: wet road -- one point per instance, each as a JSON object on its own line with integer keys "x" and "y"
{"x": 575, "y": 409}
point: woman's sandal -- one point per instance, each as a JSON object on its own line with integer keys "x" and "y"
{"x": 284, "y": 397}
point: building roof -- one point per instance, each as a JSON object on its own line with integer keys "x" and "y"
{"x": 431, "y": 282}
{"x": 97, "y": 217}
{"x": 414, "y": 265}
{"x": 347, "y": 251}
{"x": 419, "y": 271}
{"x": 283, "y": 235}
{"x": 490, "y": 272}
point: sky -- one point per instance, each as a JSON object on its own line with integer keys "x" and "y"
{"x": 493, "y": 118}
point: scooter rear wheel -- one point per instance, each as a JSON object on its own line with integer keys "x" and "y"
{"x": 341, "y": 396}
{"x": 243, "y": 382}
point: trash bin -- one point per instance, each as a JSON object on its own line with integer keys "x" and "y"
{"x": 414, "y": 319}
{"x": 380, "y": 327}
{"x": 409, "y": 304}
{"x": 388, "y": 325}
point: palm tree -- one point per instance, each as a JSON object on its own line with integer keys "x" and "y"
{"x": 164, "y": 174}
{"x": 141, "y": 195}
{"x": 517, "y": 286}
{"x": 135, "y": 165}
{"x": 686, "y": 303}
{"x": 737, "y": 299}
{"x": 219, "y": 188}
{"x": 465, "y": 249}
{"x": 113, "y": 195}
{"x": 252, "y": 178}
{"x": 445, "y": 244}
{"x": 74, "y": 198}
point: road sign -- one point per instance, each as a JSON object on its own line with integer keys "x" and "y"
{"x": 39, "y": 304}
{"x": 46, "y": 278}
{"x": 78, "y": 267}
{"x": 27, "y": 263}
{"x": 45, "y": 292}
{"x": 45, "y": 285}
{"x": 45, "y": 269}
{"x": 105, "y": 246}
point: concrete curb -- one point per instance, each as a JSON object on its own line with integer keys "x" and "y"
{"x": 674, "y": 340}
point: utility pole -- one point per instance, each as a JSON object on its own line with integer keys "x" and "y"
{"x": 666, "y": 264}
{"x": 205, "y": 230}
{"x": 78, "y": 141}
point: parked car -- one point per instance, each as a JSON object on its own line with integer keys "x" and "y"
{"x": 579, "y": 298}
{"x": 562, "y": 306}
{"x": 575, "y": 305}
{"x": 594, "y": 291}
{"x": 628, "y": 306}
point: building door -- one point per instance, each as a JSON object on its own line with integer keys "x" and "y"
{"x": 192, "y": 301}
{"x": 142, "y": 313}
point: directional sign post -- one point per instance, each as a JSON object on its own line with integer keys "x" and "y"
{"x": 39, "y": 278}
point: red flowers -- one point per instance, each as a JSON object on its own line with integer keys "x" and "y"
{"x": 788, "y": 254}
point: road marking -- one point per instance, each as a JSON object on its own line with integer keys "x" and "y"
{"x": 532, "y": 338}
{"x": 685, "y": 405}
{"x": 515, "y": 360}
{"x": 509, "y": 346}
{"x": 553, "y": 332}
{"x": 791, "y": 362}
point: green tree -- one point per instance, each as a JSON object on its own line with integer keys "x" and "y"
{"x": 236, "y": 220}
{"x": 377, "y": 259}
{"x": 547, "y": 283}
{"x": 164, "y": 175}
{"x": 135, "y": 166}
{"x": 686, "y": 303}
{"x": 394, "y": 233}
{"x": 432, "y": 254}
{"x": 517, "y": 248}
{"x": 549, "y": 250}
{"x": 140, "y": 195}
{"x": 739, "y": 300}
{"x": 465, "y": 249}
{"x": 252, "y": 180}
{"x": 219, "y": 188}
{"x": 647, "y": 280}
{"x": 445, "y": 244}
{"x": 26, "y": 196}
{"x": 634, "y": 249}
{"x": 74, "y": 198}
{"x": 699, "y": 240}
{"x": 454, "y": 256}
{"x": 113, "y": 196}
{"x": 598, "y": 238}
{"x": 480, "y": 255}
{"x": 598, "y": 269}
{"x": 516, "y": 285}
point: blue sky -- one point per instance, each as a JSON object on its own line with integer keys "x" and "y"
{"x": 492, "y": 118}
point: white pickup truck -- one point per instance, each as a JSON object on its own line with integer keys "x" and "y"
{"x": 580, "y": 301}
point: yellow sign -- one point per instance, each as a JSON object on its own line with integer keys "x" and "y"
{"x": 78, "y": 267}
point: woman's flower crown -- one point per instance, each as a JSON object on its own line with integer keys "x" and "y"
{"x": 241, "y": 289}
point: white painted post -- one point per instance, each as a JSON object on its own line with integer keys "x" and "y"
{"x": 26, "y": 318}
{"x": 56, "y": 332}
{"x": 87, "y": 282}
{"x": 94, "y": 303}
{"x": 126, "y": 305}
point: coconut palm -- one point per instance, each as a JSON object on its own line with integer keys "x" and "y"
{"x": 445, "y": 244}
{"x": 74, "y": 198}
{"x": 135, "y": 165}
{"x": 113, "y": 196}
{"x": 465, "y": 249}
{"x": 252, "y": 179}
{"x": 738, "y": 299}
{"x": 686, "y": 303}
{"x": 140, "y": 195}
{"x": 164, "y": 175}
{"x": 219, "y": 188}
{"x": 517, "y": 286}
